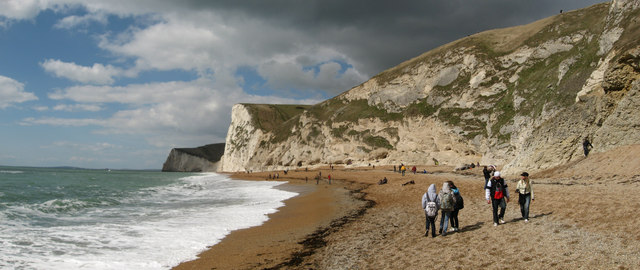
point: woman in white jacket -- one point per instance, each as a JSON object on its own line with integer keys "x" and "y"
{"x": 430, "y": 214}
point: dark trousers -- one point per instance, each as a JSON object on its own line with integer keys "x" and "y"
{"x": 503, "y": 206}
{"x": 454, "y": 218}
{"x": 524, "y": 200}
{"x": 430, "y": 222}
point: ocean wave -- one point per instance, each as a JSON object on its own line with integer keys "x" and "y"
{"x": 72, "y": 205}
{"x": 11, "y": 172}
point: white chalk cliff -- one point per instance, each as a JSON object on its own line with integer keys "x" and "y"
{"x": 523, "y": 97}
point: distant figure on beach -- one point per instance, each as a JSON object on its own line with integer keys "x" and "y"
{"x": 329, "y": 177}
{"x": 497, "y": 193}
{"x": 413, "y": 169}
{"x": 383, "y": 181}
{"x": 457, "y": 205}
{"x": 430, "y": 206}
{"x": 525, "y": 195}
{"x": 403, "y": 169}
{"x": 488, "y": 172}
{"x": 446, "y": 202}
{"x": 586, "y": 146}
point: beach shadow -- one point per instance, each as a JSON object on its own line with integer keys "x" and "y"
{"x": 542, "y": 215}
{"x": 531, "y": 217}
{"x": 470, "y": 228}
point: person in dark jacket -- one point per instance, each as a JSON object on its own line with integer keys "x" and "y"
{"x": 457, "y": 206}
{"x": 488, "y": 172}
{"x": 586, "y": 146}
{"x": 497, "y": 194}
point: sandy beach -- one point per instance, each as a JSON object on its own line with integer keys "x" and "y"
{"x": 583, "y": 217}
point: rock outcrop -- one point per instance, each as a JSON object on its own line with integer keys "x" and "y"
{"x": 201, "y": 159}
{"x": 523, "y": 97}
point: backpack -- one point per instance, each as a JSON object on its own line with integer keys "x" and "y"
{"x": 446, "y": 201}
{"x": 431, "y": 209}
{"x": 498, "y": 192}
{"x": 459, "y": 201}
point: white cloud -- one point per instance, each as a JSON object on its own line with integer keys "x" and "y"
{"x": 22, "y": 9}
{"x": 94, "y": 147}
{"x": 40, "y": 108}
{"x": 167, "y": 46}
{"x": 12, "y": 91}
{"x": 77, "y": 107}
{"x": 166, "y": 114}
{"x": 287, "y": 75}
{"x": 207, "y": 43}
{"x": 74, "y": 21}
{"x": 96, "y": 74}
{"x": 30, "y": 121}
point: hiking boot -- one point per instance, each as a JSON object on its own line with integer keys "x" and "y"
{"x": 495, "y": 224}
{"x": 526, "y": 221}
{"x": 502, "y": 221}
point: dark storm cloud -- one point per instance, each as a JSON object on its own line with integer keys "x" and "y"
{"x": 381, "y": 34}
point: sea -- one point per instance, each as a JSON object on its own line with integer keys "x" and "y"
{"x": 67, "y": 218}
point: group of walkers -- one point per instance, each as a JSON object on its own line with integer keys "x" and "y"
{"x": 449, "y": 201}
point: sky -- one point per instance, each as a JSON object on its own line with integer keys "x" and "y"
{"x": 119, "y": 83}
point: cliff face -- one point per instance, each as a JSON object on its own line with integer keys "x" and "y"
{"x": 201, "y": 159}
{"x": 524, "y": 97}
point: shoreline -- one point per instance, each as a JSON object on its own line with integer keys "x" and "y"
{"x": 562, "y": 232}
{"x": 290, "y": 234}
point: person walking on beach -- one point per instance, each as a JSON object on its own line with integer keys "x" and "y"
{"x": 458, "y": 204}
{"x": 446, "y": 202}
{"x": 487, "y": 175}
{"x": 413, "y": 169}
{"x": 430, "y": 206}
{"x": 497, "y": 194}
{"x": 586, "y": 146}
{"x": 525, "y": 195}
{"x": 403, "y": 169}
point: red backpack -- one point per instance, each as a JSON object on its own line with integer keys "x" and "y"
{"x": 498, "y": 191}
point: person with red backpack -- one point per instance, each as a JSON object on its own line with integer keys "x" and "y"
{"x": 430, "y": 206}
{"x": 497, "y": 194}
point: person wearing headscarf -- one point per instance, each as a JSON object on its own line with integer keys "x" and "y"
{"x": 430, "y": 221}
{"x": 446, "y": 205}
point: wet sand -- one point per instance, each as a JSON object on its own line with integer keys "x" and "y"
{"x": 279, "y": 241}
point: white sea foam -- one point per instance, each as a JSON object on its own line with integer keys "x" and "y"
{"x": 157, "y": 228}
{"x": 10, "y": 171}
